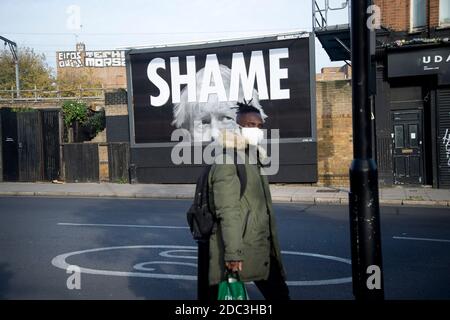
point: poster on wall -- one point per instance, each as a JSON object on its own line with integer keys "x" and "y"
{"x": 198, "y": 87}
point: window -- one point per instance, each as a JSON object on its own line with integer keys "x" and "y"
{"x": 419, "y": 13}
{"x": 399, "y": 136}
{"x": 413, "y": 135}
{"x": 444, "y": 12}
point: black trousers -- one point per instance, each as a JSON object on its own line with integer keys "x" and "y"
{"x": 273, "y": 289}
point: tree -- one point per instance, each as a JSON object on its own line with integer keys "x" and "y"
{"x": 33, "y": 70}
{"x": 70, "y": 80}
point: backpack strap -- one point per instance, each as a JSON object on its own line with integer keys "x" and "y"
{"x": 205, "y": 189}
{"x": 241, "y": 172}
{"x": 242, "y": 175}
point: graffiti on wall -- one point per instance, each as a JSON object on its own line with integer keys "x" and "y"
{"x": 70, "y": 59}
{"x": 446, "y": 143}
{"x": 114, "y": 58}
{"x": 97, "y": 59}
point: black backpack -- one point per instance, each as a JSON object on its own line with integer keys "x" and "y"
{"x": 200, "y": 217}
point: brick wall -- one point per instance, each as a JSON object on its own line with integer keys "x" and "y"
{"x": 434, "y": 13}
{"x": 334, "y": 131}
{"x": 334, "y": 73}
{"x": 396, "y": 15}
{"x": 103, "y": 164}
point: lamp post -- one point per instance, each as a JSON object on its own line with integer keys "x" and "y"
{"x": 364, "y": 208}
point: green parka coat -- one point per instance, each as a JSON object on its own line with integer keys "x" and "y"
{"x": 246, "y": 228}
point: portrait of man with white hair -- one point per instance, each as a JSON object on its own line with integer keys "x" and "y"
{"x": 205, "y": 120}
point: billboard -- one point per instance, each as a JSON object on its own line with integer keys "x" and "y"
{"x": 197, "y": 88}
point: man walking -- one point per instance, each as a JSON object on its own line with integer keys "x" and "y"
{"x": 245, "y": 240}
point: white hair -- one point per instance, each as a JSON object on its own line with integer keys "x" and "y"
{"x": 183, "y": 112}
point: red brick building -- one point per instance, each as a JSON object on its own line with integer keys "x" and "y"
{"x": 412, "y": 16}
{"x": 412, "y": 102}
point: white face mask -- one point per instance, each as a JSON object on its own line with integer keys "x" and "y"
{"x": 253, "y": 135}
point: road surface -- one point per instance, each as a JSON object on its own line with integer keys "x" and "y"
{"x": 142, "y": 249}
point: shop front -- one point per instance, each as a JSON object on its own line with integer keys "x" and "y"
{"x": 413, "y": 116}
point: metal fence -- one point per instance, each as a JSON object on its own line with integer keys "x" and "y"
{"x": 36, "y": 95}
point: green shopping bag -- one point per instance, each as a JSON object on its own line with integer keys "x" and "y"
{"x": 232, "y": 288}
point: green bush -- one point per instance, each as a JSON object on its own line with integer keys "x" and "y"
{"x": 90, "y": 122}
{"x": 95, "y": 122}
{"x": 74, "y": 111}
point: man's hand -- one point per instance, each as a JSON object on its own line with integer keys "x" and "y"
{"x": 234, "y": 265}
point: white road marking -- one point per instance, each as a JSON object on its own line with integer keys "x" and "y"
{"x": 319, "y": 282}
{"x": 421, "y": 239}
{"x": 60, "y": 262}
{"x": 119, "y": 225}
{"x": 168, "y": 254}
{"x": 142, "y": 266}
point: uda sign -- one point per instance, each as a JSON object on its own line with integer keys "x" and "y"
{"x": 419, "y": 62}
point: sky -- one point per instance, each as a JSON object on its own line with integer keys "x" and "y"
{"x": 48, "y": 26}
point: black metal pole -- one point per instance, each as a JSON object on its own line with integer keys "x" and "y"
{"x": 367, "y": 270}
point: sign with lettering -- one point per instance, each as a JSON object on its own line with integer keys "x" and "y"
{"x": 404, "y": 63}
{"x": 198, "y": 87}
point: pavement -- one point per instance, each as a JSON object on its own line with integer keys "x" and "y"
{"x": 295, "y": 193}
